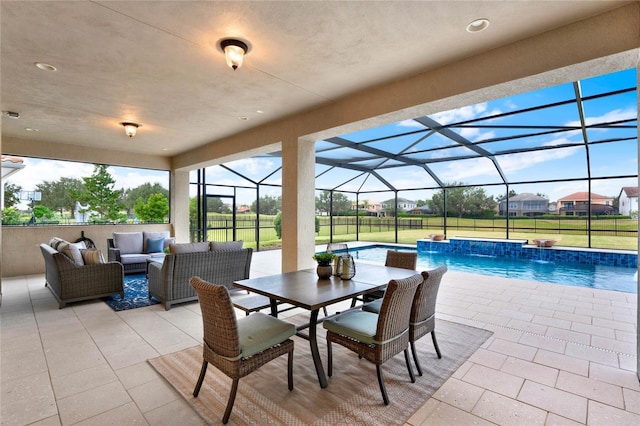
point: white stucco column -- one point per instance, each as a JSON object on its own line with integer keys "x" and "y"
{"x": 298, "y": 204}
{"x": 180, "y": 205}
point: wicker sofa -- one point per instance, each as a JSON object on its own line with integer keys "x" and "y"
{"x": 132, "y": 249}
{"x": 169, "y": 279}
{"x": 70, "y": 281}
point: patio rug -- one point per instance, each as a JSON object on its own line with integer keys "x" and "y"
{"x": 352, "y": 397}
{"x": 136, "y": 294}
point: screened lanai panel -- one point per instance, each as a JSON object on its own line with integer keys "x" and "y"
{"x": 345, "y": 154}
{"x": 476, "y": 171}
{"x": 408, "y": 177}
{"x": 613, "y": 133}
{"x": 614, "y": 159}
{"x": 400, "y": 144}
{"x": 334, "y": 177}
{"x": 221, "y": 176}
{"x": 383, "y": 131}
{"x": 549, "y": 164}
{"x": 438, "y": 154}
{"x": 256, "y": 168}
{"x": 534, "y": 142}
{"x": 609, "y": 82}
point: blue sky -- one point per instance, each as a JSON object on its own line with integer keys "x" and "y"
{"x": 610, "y": 159}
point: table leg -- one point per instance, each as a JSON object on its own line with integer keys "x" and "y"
{"x": 315, "y": 353}
{"x": 274, "y": 307}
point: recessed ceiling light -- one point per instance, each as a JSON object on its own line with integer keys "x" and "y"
{"x": 11, "y": 114}
{"x": 45, "y": 67}
{"x": 260, "y": 111}
{"x": 165, "y": 149}
{"x": 30, "y": 129}
{"x": 478, "y": 25}
{"x": 243, "y": 117}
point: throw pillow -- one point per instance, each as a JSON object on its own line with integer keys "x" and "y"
{"x": 227, "y": 246}
{"x": 72, "y": 251}
{"x": 92, "y": 257}
{"x": 55, "y": 241}
{"x": 147, "y": 235}
{"x": 155, "y": 245}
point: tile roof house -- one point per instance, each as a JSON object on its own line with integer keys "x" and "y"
{"x": 577, "y": 204}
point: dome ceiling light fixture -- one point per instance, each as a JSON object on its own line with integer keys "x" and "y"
{"x": 478, "y": 25}
{"x": 130, "y": 128}
{"x": 234, "y": 51}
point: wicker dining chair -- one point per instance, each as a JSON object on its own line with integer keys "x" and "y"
{"x": 397, "y": 259}
{"x": 377, "y": 337}
{"x": 238, "y": 347}
{"x": 423, "y": 311}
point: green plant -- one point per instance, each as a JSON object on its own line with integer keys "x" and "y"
{"x": 324, "y": 259}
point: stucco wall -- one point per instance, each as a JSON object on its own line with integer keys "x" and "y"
{"x": 21, "y": 245}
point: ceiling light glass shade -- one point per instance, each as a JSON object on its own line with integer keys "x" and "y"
{"x": 478, "y": 25}
{"x": 130, "y": 129}
{"x": 234, "y": 51}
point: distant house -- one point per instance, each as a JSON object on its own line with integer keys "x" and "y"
{"x": 628, "y": 201}
{"x": 525, "y": 204}
{"x": 243, "y": 209}
{"x": 421, "y": 210}
{"x": 371, "y": 207}
{"x": 577, "y": 204}
{"x": 404, "y": 205}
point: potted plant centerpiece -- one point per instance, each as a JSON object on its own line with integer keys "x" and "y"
{"x": 324, "y": 269}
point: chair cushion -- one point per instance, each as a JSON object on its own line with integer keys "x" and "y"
{"x": 128, "y": 242}
{"x": 258, "y": 332}
{"x": 127, "y": 259}
{"x": 146, "y": 236}
{"x": 155, "y": 245}
{"x": 92, "y": 257}
{"x": 189, "y": 247}
{"x": 359, "y": 325}
{"x": 373, "y": 306}
{"x": 226, "y": 246}
{"x": 55, "y": 241}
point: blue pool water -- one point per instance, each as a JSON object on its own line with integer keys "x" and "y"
{"x": 602, "y": 277}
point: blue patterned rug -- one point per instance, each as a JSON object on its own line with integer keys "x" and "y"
{"x": 136, "y": 294}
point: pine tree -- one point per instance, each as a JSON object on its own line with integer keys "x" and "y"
{"x": 101, "y": 196}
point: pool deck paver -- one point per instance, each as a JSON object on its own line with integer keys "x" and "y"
{"x": 559, "y": 355}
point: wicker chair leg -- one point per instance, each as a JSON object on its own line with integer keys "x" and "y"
{"x": 329, "y": 359}
{"x": 415, "y": 358}
{"x": 232, "y": 399}
{"x": 290, "y": 369}
{"x": 435, "y": 343}
{"x": 408, "y": 362}
{"x": 203, "y": 371}
{"x": 383, "y": 390}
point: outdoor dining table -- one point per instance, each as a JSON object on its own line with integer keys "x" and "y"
{"x": 305, "y": 290}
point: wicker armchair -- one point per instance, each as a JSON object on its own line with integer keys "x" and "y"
{"x": 397, "y": 259}
{"x": 238, "y": 347}
{"x": 72, "y": 283}
{"x": 423, "y": 311}
{"x": 377, "y": 337}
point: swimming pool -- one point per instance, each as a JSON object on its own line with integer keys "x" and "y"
{"x": 593, "y": 276}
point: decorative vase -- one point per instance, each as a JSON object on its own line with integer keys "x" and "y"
{"x": 324, "y": 271}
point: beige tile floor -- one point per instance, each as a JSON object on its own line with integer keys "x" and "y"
{"x": 559, "y": 355}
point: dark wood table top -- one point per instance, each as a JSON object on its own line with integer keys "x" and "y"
{"x": 304, "y": 288}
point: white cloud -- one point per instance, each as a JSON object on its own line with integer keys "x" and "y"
{"x": 461, "y": 114}
{"x": 609, "y": 116}
{"x": 410, "y": 123}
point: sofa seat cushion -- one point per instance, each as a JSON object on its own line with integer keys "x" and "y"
{"x": 146, "y": 236}
{"x": 258, "y": 332}
{"x": 128, "y": 242}
{"x": 126, "y": 259}
{"x": 189, "y": 247}
{"x": 357, "y": 324}
{"x": 226, "y": 246}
